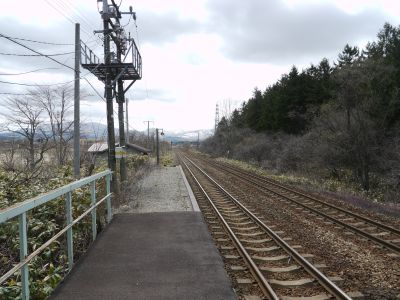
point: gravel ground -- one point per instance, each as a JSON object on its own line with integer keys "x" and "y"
{"x": 161, "y": 190}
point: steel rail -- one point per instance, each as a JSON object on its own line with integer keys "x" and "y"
{"x": 355, "y": 215}
{"x": 255, "y": 271}
{"x": 378, "y": 240}
{"x": 329, "y": 286}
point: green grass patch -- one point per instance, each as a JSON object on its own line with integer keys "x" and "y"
{"x": 167, "y": 160}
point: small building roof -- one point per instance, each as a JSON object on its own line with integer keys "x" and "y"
{"x": 138, "y": 148}
{"x": 102, "y": 147}
{"x": 98, "y": 147}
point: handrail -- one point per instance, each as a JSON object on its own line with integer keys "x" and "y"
{"x": 88, "y": 57}
{"x": 20, "y": 210}
{"x": 136, "y": 59}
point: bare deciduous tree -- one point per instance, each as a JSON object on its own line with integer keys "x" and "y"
{"x": 8, "y": 160}
{"x": 24, "y": 117}
{"x": 58, "y": 104}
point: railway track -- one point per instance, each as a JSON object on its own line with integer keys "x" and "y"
{"x": 381, "y": 234}
{"x": 252, "y": 247}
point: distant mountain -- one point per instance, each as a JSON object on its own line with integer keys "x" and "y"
{"x": 98, "y": 131}
{"x": 7, "y": 136}
{"x": 188, "y": 136}
{"x": 93, "y": 130}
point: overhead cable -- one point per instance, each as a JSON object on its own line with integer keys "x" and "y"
{"x": 14, "y": 94}
{"x": 37, "y": 52}
{"x": 23, "y": 73}
{"x": 36, "y": 55}
{"x": 40, "y": 42}
{"x": 26, "y": 84}
{"x": 59, "y": 10}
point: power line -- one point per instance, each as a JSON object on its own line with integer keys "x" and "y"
{"x": 40, "y": 42}
{"x": 65, "y": 16}
{"x": 94, "y": 89}
{"x": 59, "y": 10}
{"x": 137, "y": 35}
{"x": 67, "y": 6}
{"x": 15, "y": 94}
{"x": 15, "y": 83}
{"x": 35, "y": 55}
{"x": 26, "y": 84}
{"x": 90, "y": 40}
{"x": 37, "y": 52}
{"x": 130, "y": 17}
{"x": 138, "y": 44}
{"x": 9, "y": 74}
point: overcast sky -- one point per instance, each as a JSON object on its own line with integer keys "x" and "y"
{"x": 196, "y": 53}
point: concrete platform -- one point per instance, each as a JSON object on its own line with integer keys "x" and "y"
{"x": 163, "y": 189}
{"x": 150, "y": 256}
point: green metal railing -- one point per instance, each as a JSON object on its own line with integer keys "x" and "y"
{"x": 20, "y": 210}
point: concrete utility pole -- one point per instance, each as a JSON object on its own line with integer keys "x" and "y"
{"x": 77, "y": 156}
{"x": 158, "y": 144}
{"x": 158, "y": 151}
{"x": 148, "y": 133}
{"x": 127, "y": 120}
{"x": 216, "y": 118}
{"x": 109, "y": 96}
{"x": 120, "y": 101}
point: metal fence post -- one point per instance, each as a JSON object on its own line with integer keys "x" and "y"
{"x": 21, "y": 210}
{"x": 23, "y": 252}
{"x": 93, "y": 202}
{"x": 108, "y": 190}
{"x": 70, "y": 240}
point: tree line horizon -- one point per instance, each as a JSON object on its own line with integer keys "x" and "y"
{"x": 344, "y": 117}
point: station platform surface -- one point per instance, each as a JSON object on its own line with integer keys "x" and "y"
{"x": 163, "y": 255}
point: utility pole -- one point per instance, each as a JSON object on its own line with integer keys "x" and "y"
{"x": 198, "y": 140}
{"x": 127, "y": 120}
{"x": 77, "y": 158}
{"x": 216, "y": 118}
{"x": 158, "y": 144}
{"x": 148, "y": 133}
{"x": 120, "y": 101}
{"x": 109, "y": 96}
{"x": 158, "y": 148}
{"x": 114, "y": 72}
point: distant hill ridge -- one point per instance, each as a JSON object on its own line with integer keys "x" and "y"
{"x": 94, "y": 130}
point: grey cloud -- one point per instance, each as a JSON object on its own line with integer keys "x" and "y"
{"x": 18, "y": 64}
{"x": 11, "y": 27}
{"x": 134, "y": 94}
{"x": 269, "y": 31}
{"x": 164, "y": 28}
{"x": 151, "y": 94}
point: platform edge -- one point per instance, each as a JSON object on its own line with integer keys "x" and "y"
{"x": 193, "y": 200}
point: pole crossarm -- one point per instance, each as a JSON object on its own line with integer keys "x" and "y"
{"x": 21, "y": 210}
